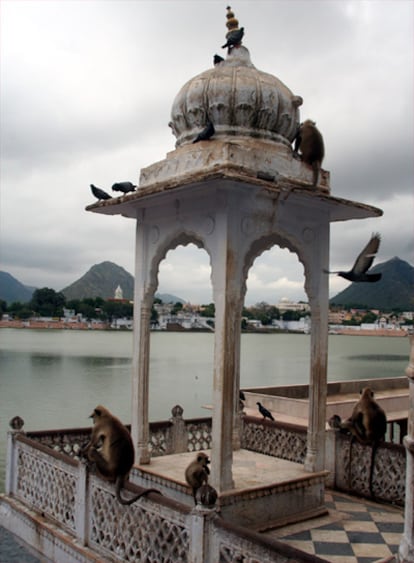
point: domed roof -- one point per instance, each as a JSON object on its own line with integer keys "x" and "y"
{"x": 238, "y": 99}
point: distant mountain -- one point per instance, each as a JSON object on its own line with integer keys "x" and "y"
{"x": 101, "y": 281}
{"x": 12, "y": 290}
{"x": 395, "y": 290}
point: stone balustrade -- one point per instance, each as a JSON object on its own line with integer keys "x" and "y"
{"x": 277, "y": 439}
{"x": 54, "y": 504}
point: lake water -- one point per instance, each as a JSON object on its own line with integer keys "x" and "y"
{"x": 54, "y": 378}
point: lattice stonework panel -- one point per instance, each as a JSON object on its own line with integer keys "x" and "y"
{"x": 69, "y": 444}
{"x": 233, "y": 554}
{"x": 199, "y": 436}
{"x": 158, "y": 444}
{"x": 354, "y": 466}
{"x": 136, "y": 533}
{"x": 46, "y": 487}
{"x": 277, "y": 442}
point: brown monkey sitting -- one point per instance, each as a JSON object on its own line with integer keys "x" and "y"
{"x": 310, "y": 143}
{"x": 368, "y": 421}
{"x": 197, "y": 472}
{"x": 367, "y": 424}
{"x": 112, "y": 450}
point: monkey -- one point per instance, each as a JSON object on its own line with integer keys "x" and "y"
{"x": 112, "y": 450}
{"x": 368, "y": 421}
{"x": 367, "y": 424}
{"x": 310, "y": 142}
{"x": 197, "y": 473}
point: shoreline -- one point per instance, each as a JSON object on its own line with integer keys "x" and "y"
{"x": 60, "y": 325}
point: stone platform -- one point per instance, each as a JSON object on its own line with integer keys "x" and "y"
{"x": 267, "y": 491}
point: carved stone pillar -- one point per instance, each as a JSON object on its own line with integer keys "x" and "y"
{"x": 406, "y": 551}
{"x": 142, "y": 385}
{"x": 319, "y": 302}
{"x": 237, "y": 417}
{"x": 226, "y": 273}
{"x": 140, "y": 375}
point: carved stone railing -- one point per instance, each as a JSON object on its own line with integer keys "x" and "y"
{"x": 166, "y": 437}
{"x": 149, "y": 530}
{"x": 353, "y": 467}
{"x": 237, "y": 544}
{"x": 45, "y": 480}
{"x": 285, "y": 441}
{"x": 282, "y": 440}
{"x": 57, "y": 507}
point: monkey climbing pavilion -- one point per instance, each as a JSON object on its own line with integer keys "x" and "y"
{"x": 238, "y": 191}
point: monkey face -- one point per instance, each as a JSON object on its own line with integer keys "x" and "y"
{"x": 367, "y": 393}
{"x": 203, "y": 459}
{"x": 98, "y": 413}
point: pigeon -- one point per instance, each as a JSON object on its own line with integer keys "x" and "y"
{"x": 217, "y": 60}
{"x": 100, "y": 194}
{"x": 264, "y": 412}
{"x": 206, "y": 133}
{"x": 363, "y": 263}
{"x": 234, "y": 38}
{"x": 124, "y": 187}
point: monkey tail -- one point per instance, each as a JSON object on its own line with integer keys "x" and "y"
{"x": 371, "y": 470}
{"x": 316, "y": 167}
{"x": 350, "y": 462}
{"x": 127, "y": 502}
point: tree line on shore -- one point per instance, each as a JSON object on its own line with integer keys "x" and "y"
{"x": 46, "y": 302}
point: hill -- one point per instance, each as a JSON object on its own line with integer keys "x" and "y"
{"x": 393, "y": 291}
{"x": 12, "y": 290}
{"x": 101, "y": 281}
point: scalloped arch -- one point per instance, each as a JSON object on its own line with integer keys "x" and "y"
{"x": 171, "y": 243}
{"x": 264, "y": 243}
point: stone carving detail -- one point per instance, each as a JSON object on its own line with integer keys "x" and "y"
{"x": 232, "y": 554}
{"x": 65, "y": 442}
{"x": 199, "y": 435}
{"x": 239, "y": 99}
{"x": 388, "y": 481}
{"x": 137, "y": 532}
{"x": 279, "y": 442}
{"x": 159, "y": 440}
{"x": 46, "y": 487}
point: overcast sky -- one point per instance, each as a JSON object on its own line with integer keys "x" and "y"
{"x": 86, "y": 93}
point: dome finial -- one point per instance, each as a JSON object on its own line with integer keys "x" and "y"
{"x": 234, "y": 35}
{"x": 232, "y": 22}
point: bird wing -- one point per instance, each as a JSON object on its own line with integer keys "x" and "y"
{"x": 366, "y": 257}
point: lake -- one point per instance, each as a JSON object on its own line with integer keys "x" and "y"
{"x": 54, "y": 378}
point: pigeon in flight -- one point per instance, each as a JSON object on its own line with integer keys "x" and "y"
{"x": 99, "y": 194}
{"x": 206, "y": 133}
{"x": 234, "y": 38}
{"x": 124, "y": 187}
{"x": 264, "y": 412}
{"x": 358, "y": 273}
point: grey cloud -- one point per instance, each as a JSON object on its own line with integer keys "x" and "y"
{"x": 93, "y": 106}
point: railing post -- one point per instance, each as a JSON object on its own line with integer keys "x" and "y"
{"x": 82, "y": 504}
{"x": 178, "y": 436}
{"x": 16, "y": 425}
{"x": 11, "y": 465}
{"x": 201, "y": 515}
{"x": 406, "y": 551}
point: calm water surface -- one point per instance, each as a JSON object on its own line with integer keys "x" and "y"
{"x": 54, "y": 378}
